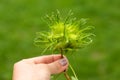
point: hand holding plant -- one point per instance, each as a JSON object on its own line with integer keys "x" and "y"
{"x": 65, "y": 36}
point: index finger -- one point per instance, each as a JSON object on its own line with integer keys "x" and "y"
{"x": 46, "y": 58}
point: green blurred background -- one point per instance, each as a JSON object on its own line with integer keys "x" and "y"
{"x": 20, "y": 19}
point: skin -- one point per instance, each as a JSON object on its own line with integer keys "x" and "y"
{"x": 39, "y": 68}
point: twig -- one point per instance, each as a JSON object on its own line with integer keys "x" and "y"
{"x": 65, "y": 73}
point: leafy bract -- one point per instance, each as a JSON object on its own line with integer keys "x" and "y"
{"x": 68, "y": 35}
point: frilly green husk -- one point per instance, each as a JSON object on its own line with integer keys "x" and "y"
{"x": 68, "y": 35}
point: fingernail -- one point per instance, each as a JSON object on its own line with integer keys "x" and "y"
{"x": 63, "y": 62}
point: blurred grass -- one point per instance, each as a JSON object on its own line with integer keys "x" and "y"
{"x": 20, "y": 19}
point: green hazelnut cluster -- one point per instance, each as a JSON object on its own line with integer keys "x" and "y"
{"x": 66, "y": 35}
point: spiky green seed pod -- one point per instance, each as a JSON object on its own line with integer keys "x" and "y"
{"x": 66, "y": 35}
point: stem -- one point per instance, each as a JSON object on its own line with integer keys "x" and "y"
{"x": 73, "y": 71}
{"x": 65, "y": 73}
{"x": 61, "y": 52}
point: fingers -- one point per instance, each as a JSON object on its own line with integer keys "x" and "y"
{"x": 58, "y": 66}
{"x": 45, "y": 59}
{"x": 54, "y": 63}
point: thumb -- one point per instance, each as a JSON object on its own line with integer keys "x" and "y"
{"x": 58, "y": 66}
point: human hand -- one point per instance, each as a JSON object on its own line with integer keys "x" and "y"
{"x": 39, "y": 68}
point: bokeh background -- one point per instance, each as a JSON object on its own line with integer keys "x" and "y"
{"x": 21, "y": 19}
